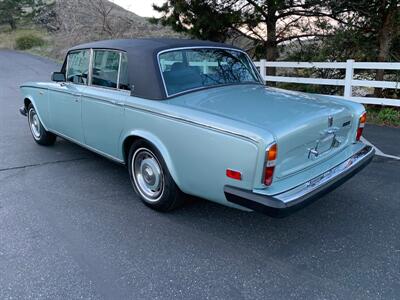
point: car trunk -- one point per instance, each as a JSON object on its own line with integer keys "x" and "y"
{"x": 313, "y": 142}
{"x": 308, "y": 129}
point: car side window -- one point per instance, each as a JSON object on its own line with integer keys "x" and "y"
{"x": 105, "y": 68}
{"x": 78, "y": 67}
{"x": 123, "y": 73}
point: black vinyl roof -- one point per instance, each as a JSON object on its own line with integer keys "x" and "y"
{"x": 144, "y": 73}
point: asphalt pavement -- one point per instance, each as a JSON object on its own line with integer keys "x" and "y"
{"x": 71, "y": 227}
{"x": 387, "y": 139}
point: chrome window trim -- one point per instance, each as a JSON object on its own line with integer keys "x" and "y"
{"x": 90, "y": 68}
{"x": 119, "y": 73}
{"x": 110, "y": 89}
{"x": 204, "y": 87}
{"x": 119, "y": 69}
{"x": 66, "y": 70}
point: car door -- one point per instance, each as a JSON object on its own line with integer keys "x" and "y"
{"x": 103, "y": 101}
{"x": 65, "y": 99}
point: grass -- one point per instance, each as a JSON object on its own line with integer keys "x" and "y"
{"x": 8, "y": 40}
{"x": 388, "y": 116}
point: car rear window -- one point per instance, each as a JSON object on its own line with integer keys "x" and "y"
{"x": 189, "y": 69}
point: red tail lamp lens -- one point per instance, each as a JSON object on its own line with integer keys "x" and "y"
{"x": 234, "y": 174}
{"x": 270, "y": 164}
{"x": 268, "y": 175}
{"x": 361, "y": 125}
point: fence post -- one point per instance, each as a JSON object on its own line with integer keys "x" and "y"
{"x": 263, "y": 70}
{"x": 205, "y": 67}
{"x": 348, "y": 89}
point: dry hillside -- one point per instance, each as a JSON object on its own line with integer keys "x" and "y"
{"x": 76, "y": 21}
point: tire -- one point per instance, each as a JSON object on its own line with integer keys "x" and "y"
{"x": 39, "y": 134}
{"x": 151, "y": 179}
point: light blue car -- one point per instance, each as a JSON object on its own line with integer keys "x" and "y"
{"x": 194, "y": 117}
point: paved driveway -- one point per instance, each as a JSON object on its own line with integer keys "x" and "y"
{"x": 71, "y": 227}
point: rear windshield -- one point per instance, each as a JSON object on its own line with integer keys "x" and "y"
{"x": 190, "y": 69}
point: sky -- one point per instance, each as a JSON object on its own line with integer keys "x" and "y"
{"x": 142, "y": 8}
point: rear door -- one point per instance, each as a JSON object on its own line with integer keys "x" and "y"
{"x": 65, "y": 98}
{"x": 103, "y": 101}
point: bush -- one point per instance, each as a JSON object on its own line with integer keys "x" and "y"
{"x": 25, "y": 42}
{"x": 390, "y": 116}
{"x": 384, "y": 115}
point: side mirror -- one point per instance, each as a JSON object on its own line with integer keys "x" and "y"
{"x": 58, "y": 77}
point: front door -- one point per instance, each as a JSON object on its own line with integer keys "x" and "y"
{"x": 65, "y": 98}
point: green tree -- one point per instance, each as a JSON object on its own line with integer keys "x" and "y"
{"x": 11, "y": 11}
{"x": 267, "y": 23}
{"x": 375, "y": 23}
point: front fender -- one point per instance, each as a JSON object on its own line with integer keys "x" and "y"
{"x": 29, "y": 96}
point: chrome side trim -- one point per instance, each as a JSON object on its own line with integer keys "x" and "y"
{"x": 196, "y": 123}
{"x": 88, "y": 147}
{"x": 255, "y": 70}
{"x": 92, "y": 98}
{"x": 313, "y": 186}
{"x": 32, "y": 86}
{"x": 169, "y": 116}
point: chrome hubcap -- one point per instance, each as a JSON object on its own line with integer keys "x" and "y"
{"x": 34, "y": 123}
{"x": 147, "y": 175}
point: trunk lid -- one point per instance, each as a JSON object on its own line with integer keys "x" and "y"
{"x": 308, "y": 129}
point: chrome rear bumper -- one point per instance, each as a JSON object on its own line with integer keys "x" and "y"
{"x": 297, "y": 197}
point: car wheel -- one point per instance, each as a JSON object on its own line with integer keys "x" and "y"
{"x": 40, "y": 135}
{"x": 151, "y": 179}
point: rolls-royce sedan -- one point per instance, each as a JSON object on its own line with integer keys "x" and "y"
{"x": 195, "y": 117}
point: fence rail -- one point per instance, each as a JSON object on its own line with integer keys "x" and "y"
{"x": 348, "y": 82}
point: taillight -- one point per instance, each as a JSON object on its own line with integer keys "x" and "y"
{"x": 361, "y": 124}
{"x": 269, "y": 167}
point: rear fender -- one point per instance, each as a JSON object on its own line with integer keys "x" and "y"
{"x": 156, "y": 142}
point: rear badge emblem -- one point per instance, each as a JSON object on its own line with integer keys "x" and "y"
{"x": 346, "y": 123}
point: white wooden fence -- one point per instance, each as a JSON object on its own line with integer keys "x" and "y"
{"x": 348, "y": 82}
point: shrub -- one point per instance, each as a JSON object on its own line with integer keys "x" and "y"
{"x": 390, "y": 116}
{"x": 384, "y": 115}
{"x": 25, "y": 42}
